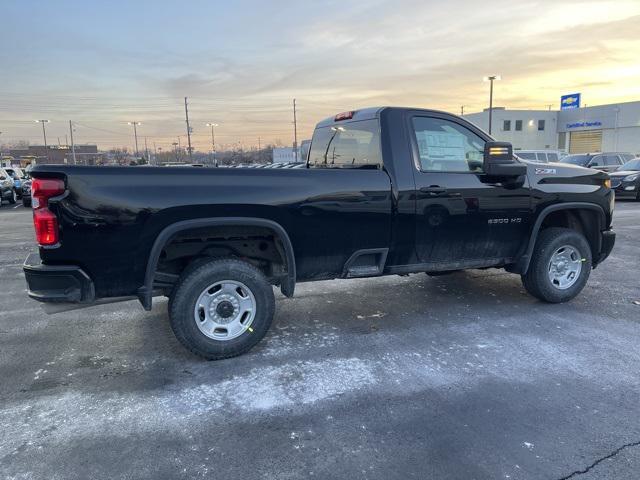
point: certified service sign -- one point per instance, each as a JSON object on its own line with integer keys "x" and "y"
{"x": 570, "y": 101}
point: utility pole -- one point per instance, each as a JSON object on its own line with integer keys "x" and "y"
{"x": 155, "y": 154}
{"x": 146, "y": 149}
{"x": 461, "y": 110}
{"x": 549, "y": 106}
{"x": 175, "y": 147}
{"x": 135, "y": 134}
{"x": 186, "y": 114}
{"x": 295, "y": 132}
{"x": 73, "y": 146}
{"x": 259, "y": 144}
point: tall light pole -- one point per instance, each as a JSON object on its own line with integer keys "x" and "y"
{"x": 73, "y": 145}
{"x": 135, "y": 133}
{"x": 186, "y": 116}
{"x": 295, "y": 132}
{"x": 213, "y": 142}
{"x": 44, "y": 134}
{"x": 490, "y": 79}
{"x": 175, "y": 148}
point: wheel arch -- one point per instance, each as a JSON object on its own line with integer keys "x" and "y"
{"x": 591, "y": 231}
{"x": 145, "y": 293}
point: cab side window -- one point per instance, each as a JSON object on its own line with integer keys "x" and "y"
{"x": 445, "y": 146}
{"x": 347, "y": 145}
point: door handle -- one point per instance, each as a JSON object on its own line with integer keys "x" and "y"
{"x": 433, "y": 190}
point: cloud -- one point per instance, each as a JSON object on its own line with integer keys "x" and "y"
{"x": 242, "y": 65}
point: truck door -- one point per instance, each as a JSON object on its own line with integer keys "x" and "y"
{"x": 463, "y": 218}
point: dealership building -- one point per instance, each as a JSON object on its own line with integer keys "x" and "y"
{"x": 602, "y": 128}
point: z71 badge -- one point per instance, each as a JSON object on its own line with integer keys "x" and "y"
{"x": 545, "y": 171}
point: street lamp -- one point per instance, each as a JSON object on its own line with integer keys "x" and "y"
{"x": 135, "y": 133}
{"x": 175, "y": 147}
{"x": 491, "y": 79}
{"x": 213, "y": 142}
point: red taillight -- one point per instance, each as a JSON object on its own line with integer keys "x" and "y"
{"x": 44, "y": 221}
{"x": 46, "y": 225}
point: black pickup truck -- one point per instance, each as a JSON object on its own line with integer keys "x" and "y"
{"x": 386, "y": 191}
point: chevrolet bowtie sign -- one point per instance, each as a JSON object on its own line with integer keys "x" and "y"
{"x": 570, "y": 101}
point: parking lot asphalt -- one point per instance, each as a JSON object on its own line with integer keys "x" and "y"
{"x": 456, "y": 377}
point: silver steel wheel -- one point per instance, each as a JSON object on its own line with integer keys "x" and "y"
{"x": 225, "y": 310}
{"x": 565, "y": 267}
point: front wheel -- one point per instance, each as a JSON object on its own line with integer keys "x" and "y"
{"x": 222, "y": 308}
{"x": 560, "y": 265}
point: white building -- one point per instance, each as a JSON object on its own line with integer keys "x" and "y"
{"x": 603, "y": 128}
{"x": 283, "y": 155}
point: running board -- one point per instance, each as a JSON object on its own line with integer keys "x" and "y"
{"x": 365, "y": 263}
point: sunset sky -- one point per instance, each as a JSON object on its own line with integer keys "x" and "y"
{"x": 102, "y": 64}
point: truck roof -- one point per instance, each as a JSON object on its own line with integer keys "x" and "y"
{"x": 369, "y": 113}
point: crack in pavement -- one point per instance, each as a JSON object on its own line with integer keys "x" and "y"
{"x": 600, "y": 460}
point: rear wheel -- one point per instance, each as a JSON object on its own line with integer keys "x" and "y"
{"x": 560, "y": 265}
{"x": 222, "y": 308}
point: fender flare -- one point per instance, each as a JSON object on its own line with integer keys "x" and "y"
{"x": 145, "y": 293}
{"x": 525, "y": 258}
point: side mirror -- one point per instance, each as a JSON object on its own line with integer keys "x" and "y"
{"x": 499, "y": 160}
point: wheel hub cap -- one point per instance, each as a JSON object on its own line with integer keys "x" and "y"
{"x": 225, "y": 310}
{"x": 565, "y": 267}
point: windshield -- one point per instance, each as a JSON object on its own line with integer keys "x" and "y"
{"x": 576, "y": 159}
{"x": 631, "y": 165}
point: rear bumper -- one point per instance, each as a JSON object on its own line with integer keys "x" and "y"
{"x": 607, "y": 243}
{"x": 57, "y": 283}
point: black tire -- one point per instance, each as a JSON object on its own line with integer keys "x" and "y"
{"x": 185, "y": 295}
{"x": 13, "y": 198}
{"x": 536, "y": 281}
{"x": 26, "y": 202}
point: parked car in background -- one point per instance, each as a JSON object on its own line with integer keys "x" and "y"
{"x": 26, "y": 192}
{"x": 540, "y": 156}
{"x": 7, "y": 189}
{"x": 626, "y": 180}
{"x": 606, "y": 161}
{"x": 16, "y": 175}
